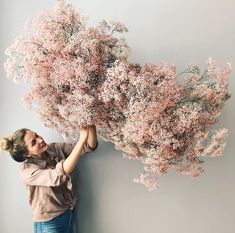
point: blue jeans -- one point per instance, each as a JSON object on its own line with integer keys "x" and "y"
{"x": 61, "y": 224}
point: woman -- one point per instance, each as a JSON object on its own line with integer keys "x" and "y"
{"x": 46, "y": 171}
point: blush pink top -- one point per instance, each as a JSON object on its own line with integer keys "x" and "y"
{"x": 50, "y": 189}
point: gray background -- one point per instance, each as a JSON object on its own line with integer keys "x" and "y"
{"x": 179, "y": 32}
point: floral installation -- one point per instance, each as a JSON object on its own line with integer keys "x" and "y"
{"x": 81, "y": 75}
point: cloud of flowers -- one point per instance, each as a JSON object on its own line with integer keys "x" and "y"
{"x": 81, "y": 75}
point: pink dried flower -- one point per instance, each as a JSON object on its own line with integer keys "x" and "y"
{"x": 81, "y": 75}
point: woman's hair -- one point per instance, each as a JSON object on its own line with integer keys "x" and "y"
{"x": 15, "y": 145}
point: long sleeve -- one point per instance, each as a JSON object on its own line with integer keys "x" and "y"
{"x": 32, "y": 174}
{"x": 64, "y": 149}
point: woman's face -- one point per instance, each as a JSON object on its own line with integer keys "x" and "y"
{"x": 35, "y": 144}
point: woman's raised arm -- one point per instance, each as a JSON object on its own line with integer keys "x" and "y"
{"x": 71, "y": 161}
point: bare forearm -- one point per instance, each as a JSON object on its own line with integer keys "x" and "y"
{"x": 92, "y": 136}
{"x": 70, "y": 163}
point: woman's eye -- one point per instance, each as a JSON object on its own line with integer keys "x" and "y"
{"x": 37, "y": 136}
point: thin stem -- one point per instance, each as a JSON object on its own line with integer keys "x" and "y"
{"x": 44, "y": 49}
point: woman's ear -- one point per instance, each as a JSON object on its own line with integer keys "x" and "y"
{"x": 28, "y": 155}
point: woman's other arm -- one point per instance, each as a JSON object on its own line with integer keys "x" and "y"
{"x": 71, "y": 161}
{"x": 92, "y": 137}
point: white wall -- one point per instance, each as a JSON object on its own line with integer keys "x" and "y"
{"x": 179, "y": 32}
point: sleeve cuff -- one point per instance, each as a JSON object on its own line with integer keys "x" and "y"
{"x": 90, "y": 148}
{"x": 60, "y": 168}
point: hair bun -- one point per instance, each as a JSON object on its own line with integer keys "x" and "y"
{"x": 6, "y": 144}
